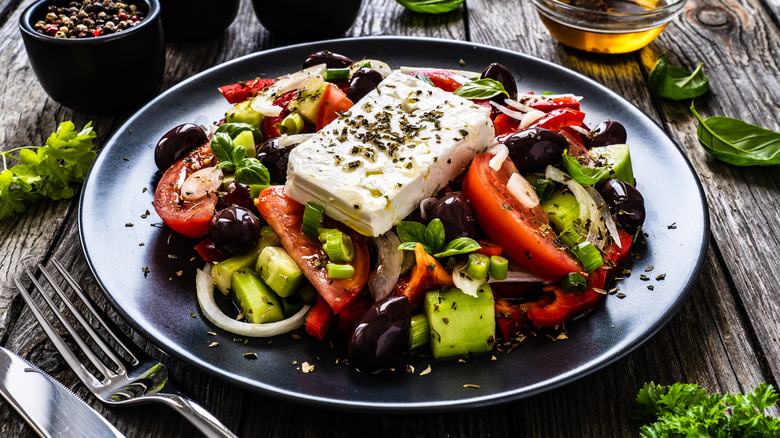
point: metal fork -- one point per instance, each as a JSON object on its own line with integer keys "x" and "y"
{"x": 139, "y": 379}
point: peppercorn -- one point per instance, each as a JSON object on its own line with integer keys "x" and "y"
{"x": 89, "y": 18}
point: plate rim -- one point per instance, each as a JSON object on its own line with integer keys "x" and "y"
{"x": 403, "y": 407}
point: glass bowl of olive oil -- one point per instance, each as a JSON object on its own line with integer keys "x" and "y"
{"x": 607, "y": 26}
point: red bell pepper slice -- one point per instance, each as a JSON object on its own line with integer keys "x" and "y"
{"x": 242, "y": 91}
{"x": 577, "y": 148}
{"x": 560, "y": 118}
{"x": 319, "y": 319}
{"x": 489, "y": 248}
{"x": 547, "y": 104}
{"x": 511, "y": 317}
{"x": 271, "y": 124}
{"x": 504, "y": 124}
{"x": 567, "y": 306}
{"x": 445, "y": 79}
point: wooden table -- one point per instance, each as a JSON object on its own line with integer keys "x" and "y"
{"x": 724, "y": 338}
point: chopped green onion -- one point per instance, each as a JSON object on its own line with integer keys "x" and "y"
{"x": 292, "y": 124}
{"x": 312, "y": 219}
{"x": 477, "y": 266}
{"x": 570, "y": 237}
{"x": 499, "y": 267}
{"x": 544, "y": 188}
{"x": 588, "y": 255}
{"x": 336, "y": 74}
{"x": 574, "y": 283}
{"x": 337, "y": 245}
{"x": 337, "y": 271}
{"x": 419, "y": 332}
{"x": 366, "y": 64}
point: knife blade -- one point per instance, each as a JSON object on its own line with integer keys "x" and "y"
{"x": 47, "y": 405}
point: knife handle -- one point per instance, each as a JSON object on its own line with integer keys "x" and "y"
{"x": 197, "y": 415}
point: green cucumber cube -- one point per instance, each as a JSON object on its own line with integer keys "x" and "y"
{"x": 278, "y": 270}
{"x": 460, "y": 324}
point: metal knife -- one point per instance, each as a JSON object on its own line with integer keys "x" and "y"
{"x": 48, "y": 406}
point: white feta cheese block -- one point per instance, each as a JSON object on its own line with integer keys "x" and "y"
{"x": 398, "y": 145}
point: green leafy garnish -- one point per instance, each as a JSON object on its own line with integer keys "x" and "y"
{"x": 425, "y": 79}
{"x": 687, "y": 410}
{"x": 233, "y": 158}
{"x": 432, "y": 238}
{"x": 430, "y": 6}
{"x": 736, "y": 142}
{"x": 48, "y": 171}
{"x": 233, "y": 129}
{"x": 481, "y": 89}
{"x": 676, "y": 83}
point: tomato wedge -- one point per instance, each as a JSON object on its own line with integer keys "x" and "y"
{"x": 444, "y": 79}
{"x": 271, "y": 124}
{"x": 560, "y": 118}
{"x": 334, "y": 101}
{"x": 523, "y": 234}
{"x": 285, "y": 216}
{"x": 187, "y": 218}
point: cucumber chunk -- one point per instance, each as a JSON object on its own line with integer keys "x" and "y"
{"x": 223, "y": 271}
{"x": 563, "y": 209}
{"x": 246, "y": 140}
{"x": 307, "y": 103}
{"x": 278, "y": 270}
{"x": 259, "y": 303}
{"x": 617, "y": 158}
{"x": 460, "y": 324}
{"x": 243, "y": 113}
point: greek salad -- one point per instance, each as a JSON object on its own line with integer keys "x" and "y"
{"x": 401, "y": 209}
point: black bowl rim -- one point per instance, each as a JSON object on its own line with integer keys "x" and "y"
{"x": 25, "y": 24}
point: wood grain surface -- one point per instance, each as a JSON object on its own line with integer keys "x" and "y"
{"x": 725, "y": 338}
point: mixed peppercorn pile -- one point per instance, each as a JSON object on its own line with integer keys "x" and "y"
{"x": 88, "y": 19}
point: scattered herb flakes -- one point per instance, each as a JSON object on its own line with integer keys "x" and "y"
{"x": 461, "y": 360}
{"x": 296, "y": 336}
{"x": 144, "y": 190}
{"x": 599, "y": 291}
{"x": 644, "y": 277}
{"x": 179, "y": 273}
{"x": 193, "y": 315}
{"x": 211, "y": 333}
{"x": 251, "y": 356}
{"x": 295, "y": 362}
{"x": 410, "y": 369}
{"x": 626, "y": 272}
{"x": 462, "y": 62}
{"x": 621, "y": 295}
{"x": 145, "y": 270}
{"x": 426, "y": 370}
{"x": 128, "y": 224}
{"x": 471, "y": 386}
{"x": 660, "y": 277}
{"x": 172, "y": 256}
{"x": 145, "y": 215}
{"x": 672, "y": 226}
{"x": 125, "y": 158}
{"x": 650, "y": 286}
{"x": 493, "y": 358}
{"x": 649, "y": 268}
{"x": 614, "y": 290}
{"x": 561, "y": 336}
{"x": 141, "y": 244}
{"x": 213, "y": 344}
{"x": 306, "y": 367}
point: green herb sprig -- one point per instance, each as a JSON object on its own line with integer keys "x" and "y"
{"x": 48, "y": 171}
{"x": 687, "y": 410}
{"x": 432, "y": 238}
{"x": 431, "y": 6}
{"x": 484, "y": 88}
{"x": 736, "y": 142}
{"x": 676, "y": 83}
{"x": 233, "y": 158}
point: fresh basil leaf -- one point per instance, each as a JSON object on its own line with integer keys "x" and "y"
{"x": 425, "y": 79}
{"x": 583, "y": 174}
{"x": 736, "y": 142}
{"x": 222, "y": 147}
{"x": 233, "y": 129}
{"x": 435, "y": 235}
{"x": 676, "y": 83}
{"x": 410, "y": 231}
{"x": 461, "y": 245}
{"x": 410, "y": 246}
{"x": 480, "y": 89}
{"x": 251, "y": 171}
{"x": 430, "y": 6}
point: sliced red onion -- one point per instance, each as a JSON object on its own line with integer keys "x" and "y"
{"x": 468, "y": 285}
{"x": 547, "y": 96}
{"x": 518, "y": 273}
{"x": 517, "y": 105}
{"x": 609, "y": 221}
{"x": 590, "y": 215}
{"x": 511, "y": 113}
{"x": 388, "y": 268}
{"x": 425, "y": 205}
{"x": 379, "y": 66}
{"x": 204, "y": 284}
{"x": 523, "y": 191}
{"x": 289, "y": 140}
{"x": 530, "y": 118}
{"x": 579, "y": 130}
{"x": 500, "y": 153}
{"x": 201, "y": 183}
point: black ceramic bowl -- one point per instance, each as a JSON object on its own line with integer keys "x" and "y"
{"x": 100, "y": 75}
{"x": 306, "y": 20}
{"x": 190, "y": 21}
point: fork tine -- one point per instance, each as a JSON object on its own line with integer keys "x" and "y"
{"x": 95, "y": 337}
{"x": 62, "y": 346}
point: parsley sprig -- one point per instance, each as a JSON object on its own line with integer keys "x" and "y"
{"x": 687, "y": 410}
{"x": 48, "y": 171}
{"x": 432, "y": 238}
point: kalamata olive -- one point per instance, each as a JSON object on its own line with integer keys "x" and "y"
{"x": 501, "y": 74}
{"x": 625, "y": 202}
{"x": 177, "y": 143}
{"x": 330, "y": 59}
{"x": 606, "y": 133}
{"x": 534, "y": 149}
{"x": 380, "y": 334}
{"x": 363, "y": 81}
{"x": 455, "y": 213}
{"x": 239, "y": 194}
{"x": 234, "y": 230}
{"x": 274, "y": 158}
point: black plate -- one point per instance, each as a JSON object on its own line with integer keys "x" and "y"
{"x": 161, "y": 304}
